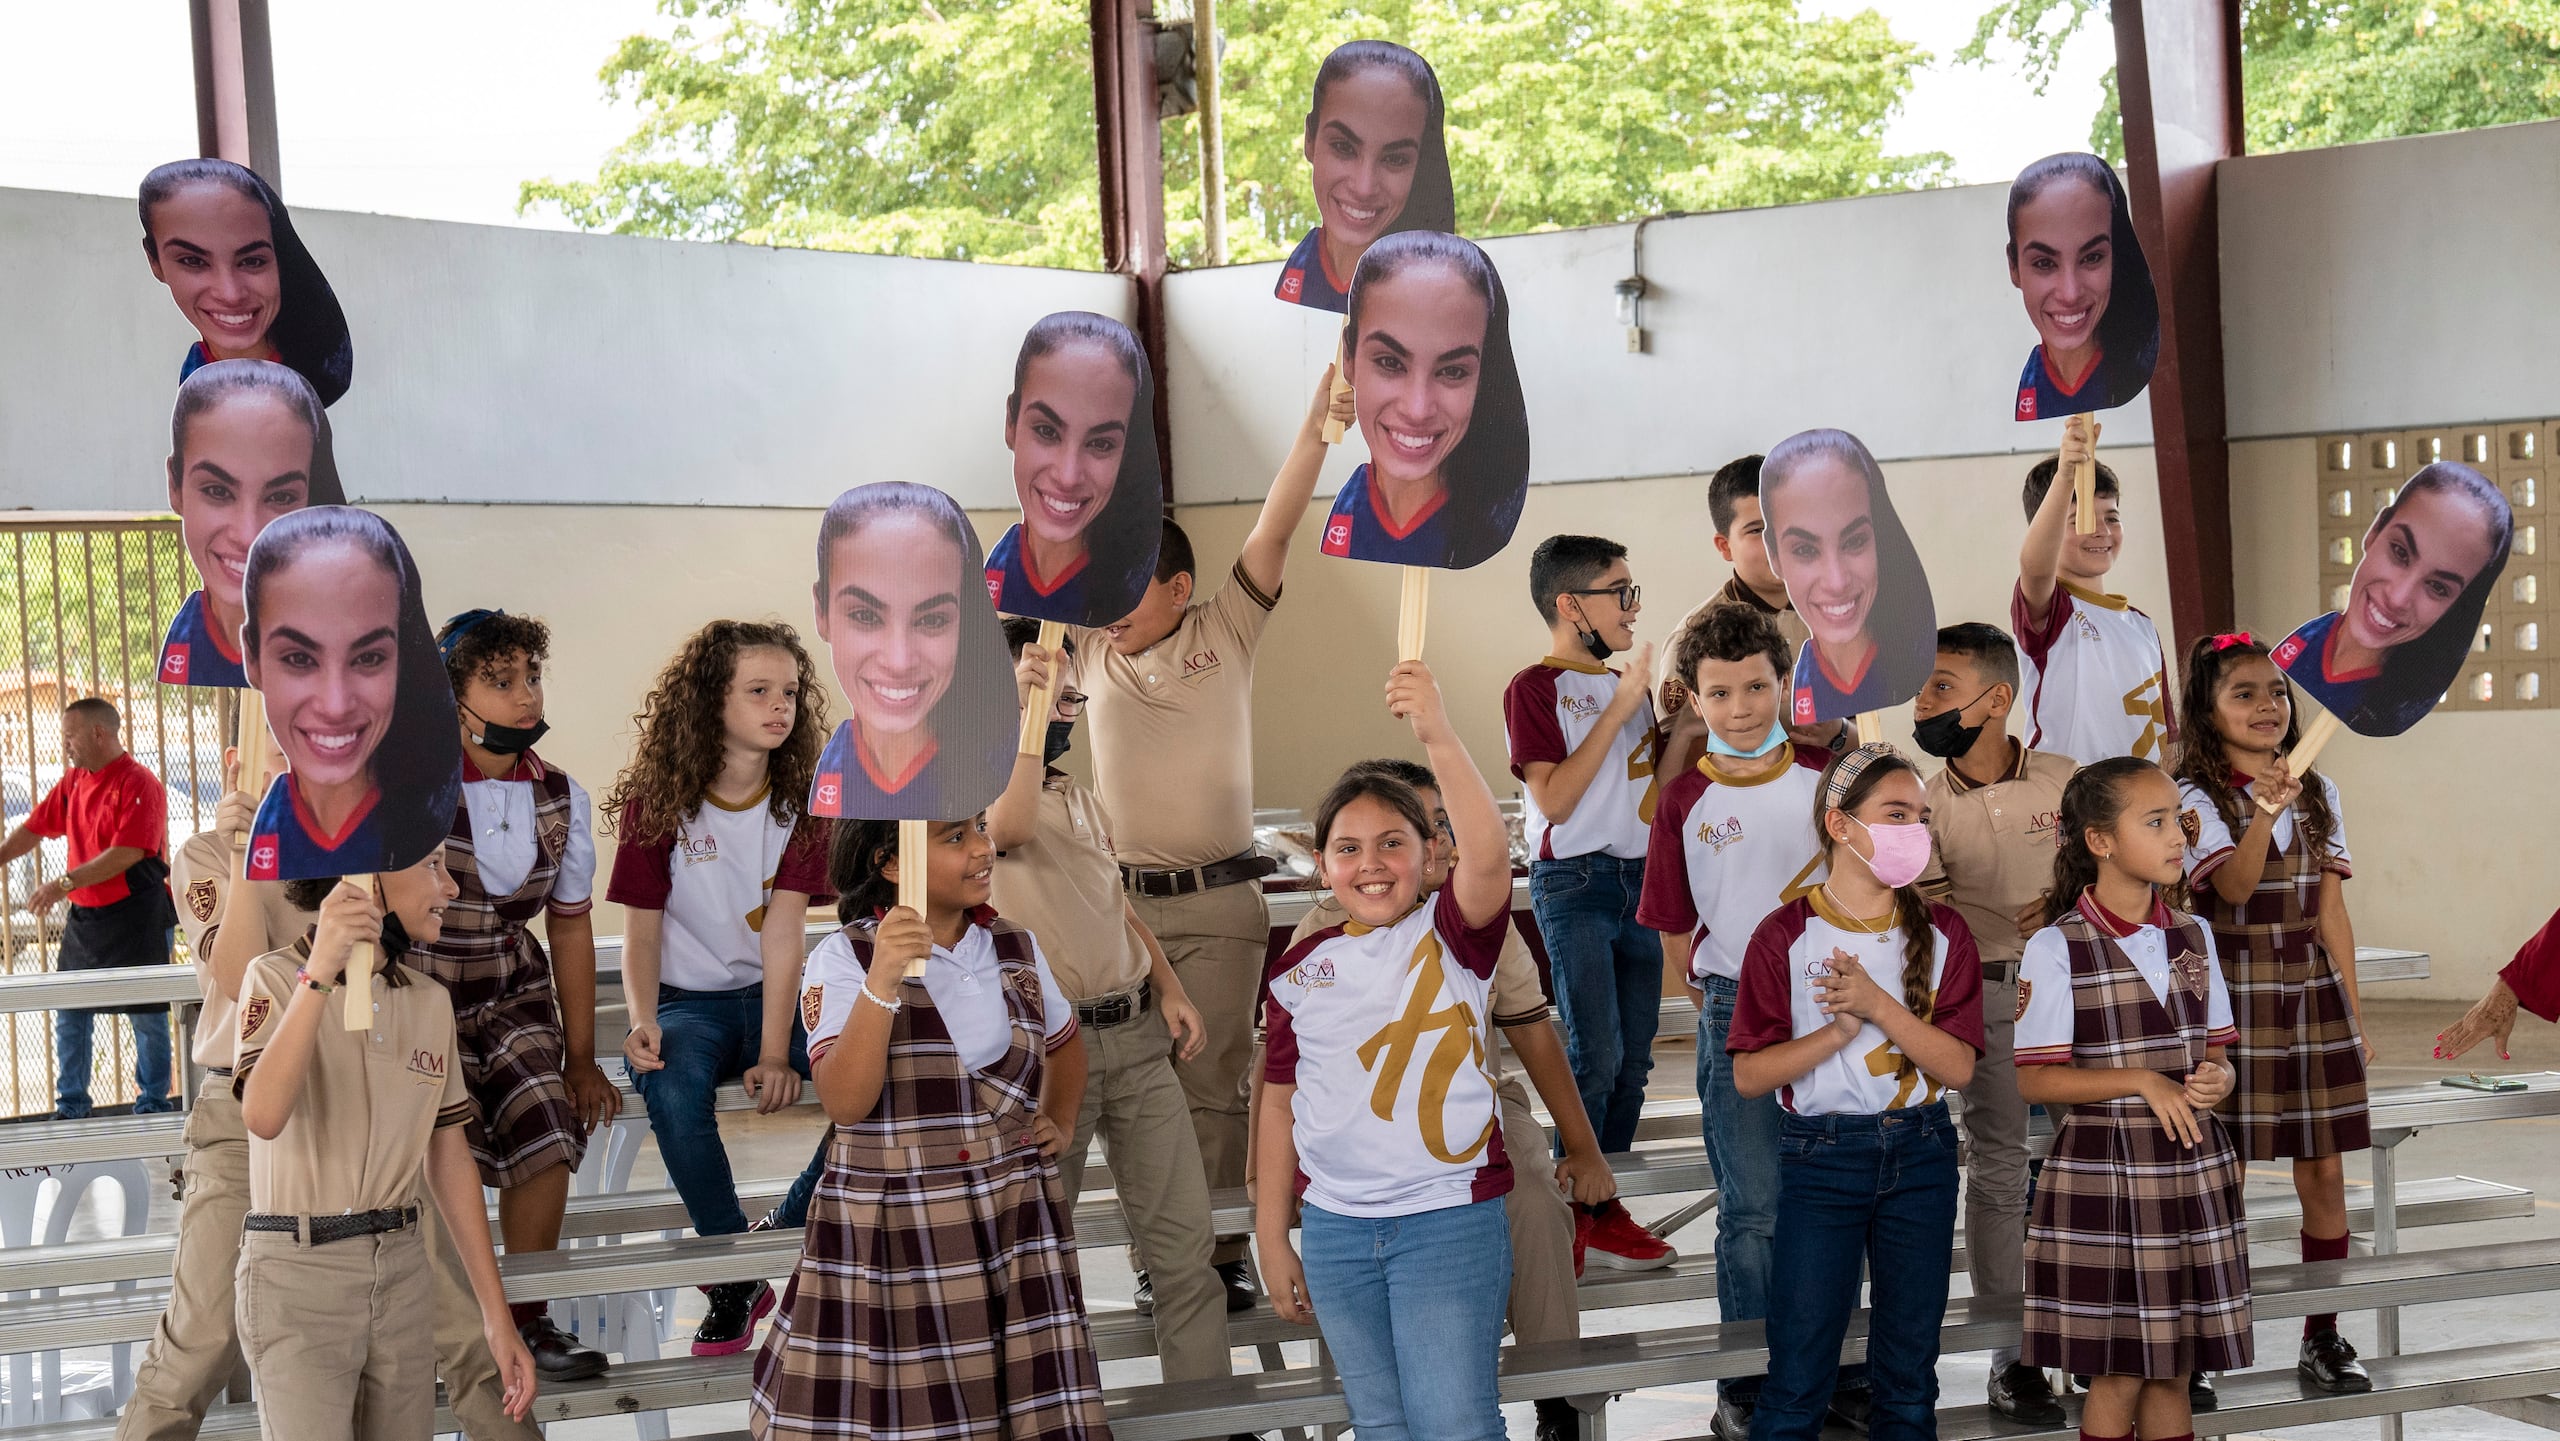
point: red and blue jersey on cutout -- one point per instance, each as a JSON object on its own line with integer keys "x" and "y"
{"x": 1359, "y": 527}
{"x": 1018, "y": 590}
{"x": 2041, "y": 397}
{"x": 286, "y": 842}
{"x": 193, "y": 652}
{"x": 1308, "y": 280}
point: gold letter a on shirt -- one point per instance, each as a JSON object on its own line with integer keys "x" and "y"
{"x": 1458, "y": 1045}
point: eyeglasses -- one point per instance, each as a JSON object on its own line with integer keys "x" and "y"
{"x": 1627, "y": 594}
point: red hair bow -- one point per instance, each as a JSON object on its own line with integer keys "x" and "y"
{"x": 2229, "y": 639}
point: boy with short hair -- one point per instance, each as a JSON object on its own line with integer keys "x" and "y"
{"x": 1055, "y": 876}
{"x": 1583, "y": 743}
{"x": 2091, "y": 670}
{"x": 343, "y": 1127}
{"x": 1733, "y": 840}
{"x": 1994, "y": 823}
{"x": 1733, "y": 503}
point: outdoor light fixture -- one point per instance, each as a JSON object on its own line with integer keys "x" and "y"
{"x": 1630, "y": 293}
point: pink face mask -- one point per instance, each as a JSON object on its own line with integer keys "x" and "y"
{"x": 1902, "y": 852}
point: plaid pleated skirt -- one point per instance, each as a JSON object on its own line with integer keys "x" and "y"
{"x": 934, "y": 1303}
{"x": 2137, "y": 1253}
{"x": 2299, "y": 1062}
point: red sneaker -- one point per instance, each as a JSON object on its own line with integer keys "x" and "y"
{"x": 1581, "y": 1238}
{"x": 1615, "y": 1240}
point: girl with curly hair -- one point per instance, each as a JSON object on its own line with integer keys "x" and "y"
{"x": 717, "y": 864}
{"x": 2270, "y": 879}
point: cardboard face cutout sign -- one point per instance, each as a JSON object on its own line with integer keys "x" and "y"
{"x": 2079, "y": 269}
{"x": 1851, "y": 574}
{"x": 249, "y": 443}
{"x": 902, "y": 608}
{"x": 219, "y": 237}
{"x": 338, "y": 645}
{"x": 2430, "y": 559}
{"x": 1438, "y": 395}
{"x": 1376, "y": 162}
{"x": 1081, "y": 425}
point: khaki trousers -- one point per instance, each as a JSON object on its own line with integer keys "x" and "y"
{"x": 195, "y": 1352}
{"x": 1545, "y": 1306}
{"x": 1995, "y": 1170}
{"x": 332, "y": 1336}
{"x": 470, "y": 1373}
{"x": 1133, "y": 1102}
{"x": 1216, "y": 940}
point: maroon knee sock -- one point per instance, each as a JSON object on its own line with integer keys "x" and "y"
{"x": 2322, "y": 1248}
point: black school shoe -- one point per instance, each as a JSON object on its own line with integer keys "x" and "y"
{"x": 557, "y": 1356}
{"x": 2329, "y": 1363}
{"x": 2200, "y": 1393}
{"x": 1732, "y": 1420}
{"x": 1557, "y": 1420}
{"x": 1238, "y": 1277}
{"x": 1144, "y": 1298}
{"x": 729, "y": 1325}
{"x": 2021, "y": 1393}
{"x": 1851, "y": 1408}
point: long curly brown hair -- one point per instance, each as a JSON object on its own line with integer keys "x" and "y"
{"x": 2203, "y": 759}
{"x": 682, "y": 733}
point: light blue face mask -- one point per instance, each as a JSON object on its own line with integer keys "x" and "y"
{"x": 1719, "y": 746}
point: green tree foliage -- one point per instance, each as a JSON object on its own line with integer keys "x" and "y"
{"x": 967, "y": 132}
{"x": 2333, "y": 72}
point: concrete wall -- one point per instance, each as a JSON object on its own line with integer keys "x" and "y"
{"x": 497, "y": 364}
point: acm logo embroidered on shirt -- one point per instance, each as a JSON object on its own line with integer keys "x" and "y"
{"x": 202, "y": 899}
{"x": 2026, "y": 988}
{"x": 697, "y": 850}
{"x": 812, "y": 1003}
{"x": 1720, "y": 834}
{"x": 2045, "y": 828}
{"x": 253, "y": 1014}
{"x": 1199, "y": 664}
{"x": 427, "y": 1066}
{"x": 1581, "y": 707}
{"x": 1312, "y": 975}
{"x": 2189, "y": 968}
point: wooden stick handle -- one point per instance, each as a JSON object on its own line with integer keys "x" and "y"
{"x": 912, "y": 836}
{"x": 1413, "y": 613}
{"x": 251, "y": 742}
{"x": 2084, "y": 481}
{"x": 2306, "y": 750}
{"x": 357, "y": 984}
{"x": 1036, "y": 707}
{"x": 1333, "y": 428}
{"x": 1870, "y": 727}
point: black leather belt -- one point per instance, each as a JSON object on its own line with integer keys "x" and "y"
{"x": 343, "y": 1227}
{"x": 2002, "y": 971}
{"x": 217, "y": 1070}
{"x": 1116, "y": 1010}
{"x": 1246, "y": 866}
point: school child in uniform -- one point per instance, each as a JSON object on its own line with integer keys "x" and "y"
{"x": 1377, "y": 1110}
{"x": 1733, "y": 839}
{"x": 195, "y": 1348}
{"x": 521, "y": 846}
{"x": 2138, "y": 1256}
{"x": 344, "y": 1127}
{"x": 1171, "y": 690}
{"x": 937, "y": 1295}
{"x": 1994, "y": 813}
{"x": 2090, "y": 663}
{"x": 1860, "y": 1005}
{"x": 716, "y": 900}
{"x": 2273, "y": 888}
{"x": 1583, "y": 743}
{"x": 1055, "y": 876}
{"x": 1546, "y": 1260}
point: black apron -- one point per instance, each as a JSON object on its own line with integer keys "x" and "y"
{"x": 130, "y": 932}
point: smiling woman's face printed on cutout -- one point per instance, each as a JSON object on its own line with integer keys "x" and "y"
{"x": 1414, "y": 370}
{"x": 1362, "y": 152}
{"x": 891, "y": 619}
{"x": 2065, "y": 271}
{"x": 328, "y": 661}
{"x": 247, "y": 461}
{"x": 215, "y": 250}
{"x": 1822, "y": 543}
{"x": 2418, "y": 558}
{"x": 1068, "y": 435}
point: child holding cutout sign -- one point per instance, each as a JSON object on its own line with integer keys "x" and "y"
{"x": 2271, "y": 884}
{"x": 2090, "y": 663}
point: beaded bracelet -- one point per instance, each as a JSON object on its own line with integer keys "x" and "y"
{"x": 892, "y": 1007}
{"x": 304, "y": 976}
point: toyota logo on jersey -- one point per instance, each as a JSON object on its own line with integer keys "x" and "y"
{"x": 827, "y": 797}
{"x": 263, "y": 854}
{"x": 1337, "y": 536}
{"x": 173, "y": 667}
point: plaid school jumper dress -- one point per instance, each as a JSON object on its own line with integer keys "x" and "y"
{"x": 937, "y": 1294}
{"x": 2300, "y": 1059}
{"x": 506, "y": 1022}
{"x": 2137, "y": 1255}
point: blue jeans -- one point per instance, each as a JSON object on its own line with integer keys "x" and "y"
{"x": 1606, "y": 971}
{"x": 1411, "y": 1309}
{"x": 705, "y": 1038}
{"x": 1742, "y": 1148}
{"x": 1878, "y": 1190}
{"x": 150, "y": 1062}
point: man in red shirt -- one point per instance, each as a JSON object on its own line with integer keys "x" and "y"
{"x": 116, "y": 818}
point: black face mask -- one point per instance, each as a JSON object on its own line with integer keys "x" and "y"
{"x": 1591, "y": 641}
{"x": 395, "y": 938}
{"x": 1945, "y": 735}
{"x": 1061, "y": 736}
{"x": 507, "y": 740}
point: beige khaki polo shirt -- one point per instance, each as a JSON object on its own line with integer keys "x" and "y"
{"x": 1992, "y": 845}
{"x": 357, "y": 1140}
{"x": 1065, "y": 887}
{"x": 204, "y": 878}
{"x": 1172, "y": 730}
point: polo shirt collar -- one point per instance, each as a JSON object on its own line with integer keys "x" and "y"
{"x": 2115, "y": 927}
